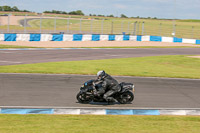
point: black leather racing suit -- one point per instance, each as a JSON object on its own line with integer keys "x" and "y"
{"x": 110, "y": 86}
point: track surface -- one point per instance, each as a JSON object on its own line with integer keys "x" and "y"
{"x": 12, "y": 57}
{"x": 61, "y": 90}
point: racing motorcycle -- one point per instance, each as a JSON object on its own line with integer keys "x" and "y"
{"x": 86, "y": 94}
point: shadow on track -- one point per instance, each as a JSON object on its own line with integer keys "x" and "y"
{"x": 104, "y": 103}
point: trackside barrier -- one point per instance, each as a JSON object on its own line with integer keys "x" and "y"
{"x": 10, "y": 37}
{"x": 92, "y": 37}
{"x": 57, "y": 37}
{"x": 78, "y": 37}
{"x": 33, "y": 37}
{"x": 95, "y": 37}
{"x": 101, "y": 111}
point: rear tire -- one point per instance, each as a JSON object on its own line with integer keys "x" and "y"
{"x": 126, "y": 97}
{"x": 82, "y": 98}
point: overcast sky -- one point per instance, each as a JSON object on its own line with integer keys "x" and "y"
{"x": 185, "y": 9}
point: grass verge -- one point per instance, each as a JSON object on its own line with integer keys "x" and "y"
{"x": 13, "y": 46}
{"x": 176, "y": 66}
{"x": 98, "y": 124}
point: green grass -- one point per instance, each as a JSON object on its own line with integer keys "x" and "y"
{"x": 18, "y": 13}
{"x": 98, "y": 124}
{"x": 177, "y": 66}
{"x": 190, "y": 20}
{"x": 184, "y": 28}
{"x": 13, "y": 46}
{"x": 152, "y": 26}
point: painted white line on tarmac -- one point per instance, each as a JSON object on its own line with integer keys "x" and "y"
{"x": 63, "y": 49}
{"x": 87, "y": 107}
{"x": 95, "y": 76}
{"x": 10, "y": 62}
{"x": 5, "y": 52}
{"x": 111, "y": 55}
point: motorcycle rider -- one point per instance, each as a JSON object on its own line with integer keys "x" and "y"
{"x": 108, "y": 85}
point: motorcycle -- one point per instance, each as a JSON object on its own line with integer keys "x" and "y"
{"x": 86, "y": 94}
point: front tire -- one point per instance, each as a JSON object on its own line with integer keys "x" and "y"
{"x": 82, "y": 98}
{"x": 126, "y": 97}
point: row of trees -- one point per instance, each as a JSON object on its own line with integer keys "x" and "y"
{"x": 12, "y": 9}
{"x": 122, "y": 16}
{"x": 78, "y": 12}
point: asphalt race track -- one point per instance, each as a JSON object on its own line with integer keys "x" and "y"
{"x": 12, "y": 57}
{"x": 60, "y": 90}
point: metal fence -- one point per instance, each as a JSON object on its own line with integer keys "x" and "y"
{"x": 104, "y": 26}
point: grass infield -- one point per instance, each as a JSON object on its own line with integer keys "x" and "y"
{"x": 152, "y": 26}
{"x": 111, "y": 25}
{"x": 98, "y": 124}
{"x": 173, "y": 66}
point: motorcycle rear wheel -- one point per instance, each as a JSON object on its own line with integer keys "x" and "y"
{"x": 126, "y": 97}
{"x": 82, "y": 98}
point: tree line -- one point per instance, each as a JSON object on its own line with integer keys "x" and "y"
{"x": 12, "y": 9}
{"x": 78, "y": 12}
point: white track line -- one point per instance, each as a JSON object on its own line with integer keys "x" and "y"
{"x": 6, "y": 52}
{"x": 10, "y": 62}
{"x": 57, "y": 107}
{"x": 95, "y": 76}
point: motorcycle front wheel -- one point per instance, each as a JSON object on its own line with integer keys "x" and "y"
{"x": 83, "y": 98}
{"x": 126, "y": 97}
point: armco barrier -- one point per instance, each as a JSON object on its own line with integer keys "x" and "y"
{"x": 101, "y": 111}
{"x": 92, "y": 37}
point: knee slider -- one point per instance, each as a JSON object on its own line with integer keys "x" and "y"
{"x": 105, "y": 96}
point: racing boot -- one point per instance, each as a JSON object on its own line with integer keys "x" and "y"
{"x": 111, "y": 100}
